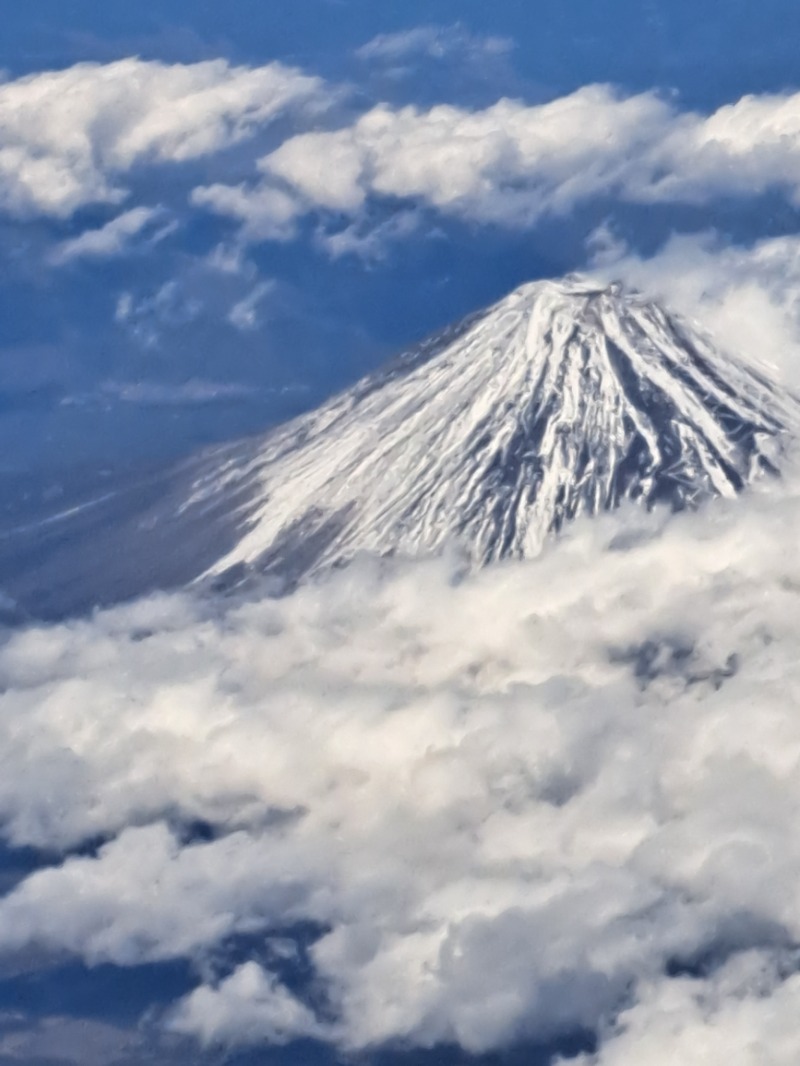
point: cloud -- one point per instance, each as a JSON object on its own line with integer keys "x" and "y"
{"x": 115, "y": 237}
{"x": 265, "y": 213}
{"x": 221, "y": 289}
{"x": 741, "y": 149}
{"x": 83, "y": 1041}
{"x": 73, "y": 137}
{"x": 508, "y": 163}
{"x": 163, "y": 394}
{"x": 249, "y": 1007}
{"x": 68, "y": 136}
{"x": 743, "y": 1015}
{"x": 244, "y": 313}
{"x": 371, "y": 244}
{"x": 511, "y": 163}
{"x": 579, "y": 814}
{"x": 172, "y": 304}
{"x": 433, "y": 42}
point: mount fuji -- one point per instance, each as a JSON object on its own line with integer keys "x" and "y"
{"x": 566, "y": 398}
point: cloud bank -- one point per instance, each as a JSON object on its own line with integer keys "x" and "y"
{"x": 506, "y": 164}
{"x": 553, "y": 795}
{"x": 73, "y": 137}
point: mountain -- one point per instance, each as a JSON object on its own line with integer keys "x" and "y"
{"x": 565, "y": 398}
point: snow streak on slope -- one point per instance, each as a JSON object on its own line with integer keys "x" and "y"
{"x": 563, "y": 399}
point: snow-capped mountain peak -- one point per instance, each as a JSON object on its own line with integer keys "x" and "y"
{"x": 565, "y": 398}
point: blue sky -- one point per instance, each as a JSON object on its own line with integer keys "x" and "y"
{"x": 214, "y": 214}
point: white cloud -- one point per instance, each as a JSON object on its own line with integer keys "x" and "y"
{"x": 435, "y": 42}
{"x": 66, "y": 137}
{"x": 370, "y": 243}
{"x": 115, "y": 237}
{"x": 249, "y": 1007}
{"x": 741, "y": 149}
{"x": 511, "y": 163}
{"x": 264, "y": 213}
{"x": 172, "y": 304}
{"x": 503, "y": 829}
{"x": 507, "y": 163}
{"x": 161, "y": 394}
{"x": 230, "y": 259}
{"x": 746, "y": 1015}
{"x": 244, "y": 313}
{"x": 82, "y": 1041}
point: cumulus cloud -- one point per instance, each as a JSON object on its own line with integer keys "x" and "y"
{"x": 507, "y": 162}
{"x": 265, "y": 213}
{"x": 553, "y": 795}
{"x": 249, "y": 1007}
{"x": 511, "y": 163}
{"x": 67, "y": 137}
{"x": 741, "y": 149}
{"x": 744, "y": 1015}
{"x": 115, "y": 237}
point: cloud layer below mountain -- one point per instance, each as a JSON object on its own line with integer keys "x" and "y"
{"x": 550, "y": 796}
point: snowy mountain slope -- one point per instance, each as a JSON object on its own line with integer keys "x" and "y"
{"x": 563, "y": 399}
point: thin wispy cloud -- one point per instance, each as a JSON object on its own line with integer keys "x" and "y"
{"x": 244, "y": 314}
{"x": 158, "y": 394}
{"x": 434, "y": 42}
{"x": 138, "y": 227}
